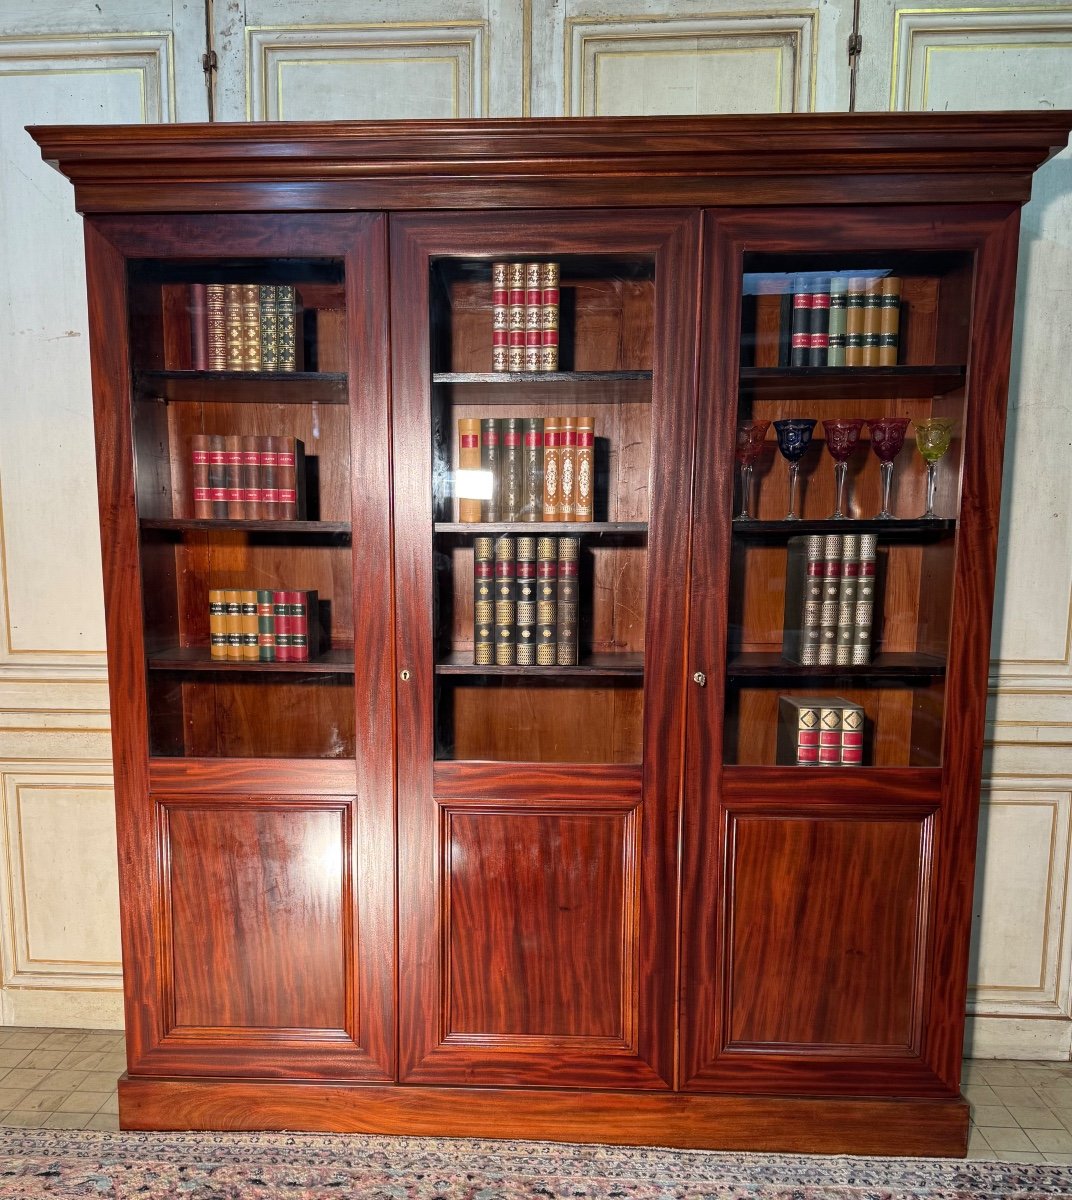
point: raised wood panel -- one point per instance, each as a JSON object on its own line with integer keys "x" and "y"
{"x": 258, "y": 905}
{"x": 541, "y": 924}
{"x": 825, "y": 932}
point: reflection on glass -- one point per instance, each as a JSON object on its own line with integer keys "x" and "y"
{"x": 794, "y": 437}
{"x": 932, "y": 438}
{"x": 750, "y": 435}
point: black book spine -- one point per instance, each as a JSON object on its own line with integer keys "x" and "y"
{"x": 819, "y": 324}
{"x": 491, "y": 461}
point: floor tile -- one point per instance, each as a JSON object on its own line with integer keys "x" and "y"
{"x": 99, "y": 1081}
{"x": 22, "y": 1077}
{"x": 90, "y": 1102}
{"x": 1014, "y": 1095}
{"x": 43, "y": 1059}
{"x": 106, "y": 1121}
{"x": 111, "y": 1104}
{"x": 977, "y": 1140}
{"x": 65, "y": 1080}
{"x": 40, "y": 1101}
{"x": 10, "y": 1057}
{"x": 10, "y": 1097}
{"x": 1010, "y": 1139}
{"x": 1036, "y": 1118}
{"x": 67, "y": 1120}
{"x": 1052, "y": 1141}
{"x": 996, "y": 1116}
{"x": 22, "y": 1039}
{"x": 979, "y": 1093}
{"x": 84, "y": 1060}
{"x": 27, "y": 1120}
{"x": 1061, "y": 1159}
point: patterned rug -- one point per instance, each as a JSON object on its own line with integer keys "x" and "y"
{"x": 207, "y": 1166}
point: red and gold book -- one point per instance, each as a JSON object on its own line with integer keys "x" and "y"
{"x": 819, "y": 323}
{"x": 567, "y": 470}
{"x": 483, "y": 601}
{"x": 232, "y": 315}
{"x": 549, "y": 303}
{"x": 798, "y": 730}
{"x": 250, "y": 640}
{"x": 500, "y": 317}
{"x": 800, "y": 337}
{"x": 469, "y": 476}
{"x": 516, "y": 316}
{"x": 200, "y": 480}
{"x": 251, "y": 488}
{"x": 852, "y": 735}
{"x": 552, "y": 459}
{"x": 281, "y": 625}
{"x": 216, "y": 323}
{"x": 303, "y": 625}
{"x": 532, "y": 470}
{"x": 511, "y": 480}
{"x": 233, "y": 623}
{"x": 217, "y": 623}
{"x": 290, "y": 477}
{"x": 199, "y": 326}
{"x": 269, "y": 484}
{"x": 217, "y": 475}
{"x": 505, "y": 600}
{"x": 251, "y": 327}
{"x": 546, "y": 601}
{"x": 490, "y": 466}
{"x": 525, "y": 612}
{"x": 567, "y": 635}
{"x": 830, "y": 732}
{"x": 585, "y": 470}
{"x": 232, "y": 456}
{"x": 533, "y": 316}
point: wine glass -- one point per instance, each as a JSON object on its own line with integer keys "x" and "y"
{"x": 842, "y": 436}
{"x": 932, "y": 437}
{"x": 750, "y": 435}
{"x": 887, "y": 438}
{"x": 794, "y": 436}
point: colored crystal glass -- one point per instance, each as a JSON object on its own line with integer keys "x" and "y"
{"x": 842, "y": 438}
{"x": 750, "y": 437}
{"x": 887, "y": 441}
{"x": 794, "y": 437}
{"x": 933, "y": 437}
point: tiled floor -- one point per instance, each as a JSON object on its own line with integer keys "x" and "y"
{"x": 65, "y": 1079}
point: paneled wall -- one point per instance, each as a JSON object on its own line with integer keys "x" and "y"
{"x": 140, "y": 60}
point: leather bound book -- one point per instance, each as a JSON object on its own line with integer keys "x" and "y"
{"x": 500, "y": 316}
{"x": 232, "y": 457}
{"x": 828, "y": 616}
{"x": 232, "y": 315}
{"x": 865, "y": 600}
{"x": 533, "y": 316}
{"x": 469, "y": 476}
{"x": 830, "y": 714}
{"x": 217, "y": 475}
{"x": 532, "y": 471}
{"x": 552, "y": 452}
{"x": 546, "y": 601}
{"x": 567, "y": 470}
{"x": 854, "y": 322}
{"x": 852, "y": 735}
{"x": 835, "y": 351}
{"x": 515, "y": 280}
{"x": 232, "y": 599}
{"x": 800, "y": 336}
{"x": 199, "y": 326}
{"x": 819, "y": 324}
{"x": 872, "y": 312}
{"x": 251, "y": 327}
{"x": 889, "y": 320}
{"x": 846, "y": 621}
{"x": 251, "y": 484}
{"x": 525, "y": 591}
{"x": 549, "y": 300}
{"x": 505, "y": 601}
{"x": 200, "y": 479}
{"x": 268, "y": 296}
{"x": 250, "y": 639}
{"x": 798, "y": 730}
{"x": 804, "y": 568}
{"x": 511, "y": 474}
{"x": 491, "y": 463}
{"x": 216, "y": 324}
{"x": 268, "y": 459}
{"x": 585, "y": 472}
{"x": 281, "y": 625}
{"x": 265, "y": 626}
{"x": 290, "y": 477}
{"x": 304, "y": 625}
{"x": 217, "y": 623}
{"x": 568, "y": 601}
{"x": 483, "y": 601}
{"x": 288, "y": 327}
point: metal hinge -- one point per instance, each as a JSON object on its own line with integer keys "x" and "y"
{"x": 855, "y": 46}
{"x": 209, "y": 62}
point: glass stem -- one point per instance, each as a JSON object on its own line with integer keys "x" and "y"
{"x": 840, "y": 471}
{"x": 932, "y": 479}
{"x": 746, "y": 485}
{"x": 886, "y": 471}
{"x": 792, "y": 514}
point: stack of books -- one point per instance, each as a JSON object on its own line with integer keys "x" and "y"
{"x": 525, "y": 592}
{"x": 825, "y": 731}
{"x": 829, "y": 599}
{"x": 244, "y": 327}
{"x": 263, "y": 625}
{"x": 524, "y": 322}
{"x": 243, "y": 477}
{"x": 526, "y": 469}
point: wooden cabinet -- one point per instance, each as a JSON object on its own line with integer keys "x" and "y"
{"x": 409, "y": 884}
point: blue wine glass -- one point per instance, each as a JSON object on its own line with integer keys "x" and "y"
{"x": 794, "y": 437}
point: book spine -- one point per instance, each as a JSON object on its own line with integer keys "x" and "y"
{"x": 265, "y": 626}
{"x": 200, "y": 478}
{"x": 800, "y": 338}
{"x": 549, "y": 302}
{"x": 251, "y": 490}
{"x": 830, "y": 735}
{"x": 250, "y": 638}
{"x": 532, "y": 471}
{"x": 505, "y": 601}
{"x": 803, "y": 599}
{"x": 515, "y": 279}
{"x": 854, "y": 322}
{"x": 852, "y": 735}
{"x": 798, "y": 731}
{"x": 290, "y": 467}
{"x": 216, "y": 320}
{"x": 251, "y": 327}
{"x": 267, "y": 459}
{"x": 511, "y": 474}
{"x": 500, "y": 317}
{"x": 872, "y": 313}
{"x": 303, "y": 625}
{"x": 232, "y": 599}
{"x": 567, "y": 470}
{"x": 217, "y": 623}
{"x": 533, "y": 316}
{"x": 483, "y": 601}
{"x": 865, "y": 600}
{"x": 217, "y": 475}
{"x": 286, "y": 320}
{"x": 546, "y": 601}
{"x": 585, "y": 475}
{"x": 835, "y": 351}
{"x": 232, "y": 457}
{"x": 551, "y": 463}
{"x": 568, "y": 607}
{"x": 199, "y": 326}
{"x": 831, "y": 592}
{"x": 819, "y": 325}
{"x": 889, "y": 320}
{"x": 525, "y": 591}
{"x": 232, "y": 313}
{"x": 490, "y": 462}
{"x": 281, "y": 626}
{"x": 846, "y": 622}
{"x": 268, "y": 297}
{"x": 468, "y": 469}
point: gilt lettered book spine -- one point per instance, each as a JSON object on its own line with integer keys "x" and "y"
{"x": 889, "y": 320}
{"x": 846, "y": 621}
{"x": 200, "y": 480}
{"x": 819, "y": 323}
{"x": 484, "y": 601}
{"x": 232, "y": 449}
{"x": 216, "y": 318}
{"x": 469, "y": 475}
{"x": 251, "y": 484}
{"x": 568, "y": 601}
{"x": 546, "y": 601}
{"x": 567, "y": 472}
{"x": 585, "y": 471}
{"x": 798, "y": 730}
{"x": 250, "y": 640}
{"x": 549, "y": 287}
{"x": 552, "y": 457}
{"x": 525, "y": 612}
{"x": 865, "y": 601}
{"x": 217, "y": 623}
{"x": 511, "y": 474}
{"x": 516, "y": 317}
{"x": 199, "y": 326}
{"x": 500, "y": 318}
{"x": 265, "y": 626}
{"x": 532, "y": 501}
{"x": 835, "y": 351}
{"x": 505, "y": 601}
{"x": 490, "y": 464}
{"x": 232, "y": 312}
{"x": 804, "y": 571}
{"x": 852, "y": 735}
{"x": 533, "y": 316}
{"x": 828, "y": 618}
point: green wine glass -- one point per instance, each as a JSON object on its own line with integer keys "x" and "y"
{"x": 933, "y": 437}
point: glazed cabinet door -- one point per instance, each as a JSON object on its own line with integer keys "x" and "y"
{"x": 842, "y": 572}
{"x": 239, "y": 372}
{"x": 543, "y": 376}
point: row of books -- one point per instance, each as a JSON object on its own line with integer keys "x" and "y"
{"x": 525, "y": 601}
{"x": 263, "y": 625}
{"x": 524, "y": 320}
{"x": 851, "y": 321}
{"x": 244, "y": 327}
{"x": 825, "y": 731}
{"x": 829, "y": 599}
{"x": 525, "y": 468}
{"x": 248, "y": 477}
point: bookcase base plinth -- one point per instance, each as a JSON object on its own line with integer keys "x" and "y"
{"x": 929, "y": 1128}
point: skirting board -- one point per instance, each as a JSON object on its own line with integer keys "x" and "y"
{"x": 835, "y": 1126}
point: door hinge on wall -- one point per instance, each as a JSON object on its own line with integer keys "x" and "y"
{"x": 855, "y": 46}
{"x": 209, "y": 62}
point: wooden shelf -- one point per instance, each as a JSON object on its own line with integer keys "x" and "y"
{"x": 772, "y": 668}
{"x": 242, "y": 387}
{"x": 538, "y": 528}
{"x": 913, "y": 530}
{"x": 848, "y": 383}
{"x": 539, "y": 376}
{"x": 595, "y": 665}
{"x": 281, "y": 528}
{"x": 197, "y": 658}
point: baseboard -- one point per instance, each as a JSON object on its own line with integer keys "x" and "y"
{"x": 63, "y": 1009}
{"x": 1045, "y": 1038}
